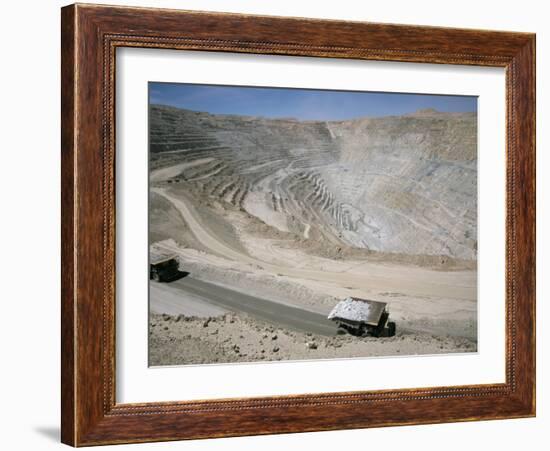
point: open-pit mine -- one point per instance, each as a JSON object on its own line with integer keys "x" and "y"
{"x": 274, "y": 221}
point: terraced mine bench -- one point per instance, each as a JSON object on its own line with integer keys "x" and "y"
{"x": 395, "y": 184}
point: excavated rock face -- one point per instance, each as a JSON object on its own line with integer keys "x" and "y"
{"x": 398, "y": 184}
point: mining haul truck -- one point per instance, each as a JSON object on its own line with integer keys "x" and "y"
{"x": 162, "y": 267}
{"x": 361, "y": 317}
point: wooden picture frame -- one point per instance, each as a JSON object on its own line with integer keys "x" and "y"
{"x": 90, "y": 36}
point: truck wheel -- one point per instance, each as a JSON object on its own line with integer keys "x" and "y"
{"x": 156, "y": 277}
{"x": 391, "y": 329}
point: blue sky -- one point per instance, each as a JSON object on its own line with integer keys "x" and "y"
{"x": 302, "y": 104}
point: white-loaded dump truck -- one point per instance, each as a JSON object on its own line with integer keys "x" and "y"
{"x": 361, "y": 317}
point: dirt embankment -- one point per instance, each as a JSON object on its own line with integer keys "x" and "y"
{"x": 184, "y": 340}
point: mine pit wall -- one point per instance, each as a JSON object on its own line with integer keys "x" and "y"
{"x": 403, "y": 184}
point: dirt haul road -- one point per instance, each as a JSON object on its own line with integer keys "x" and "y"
{"x": 272, "y": 312}
{"x": 414, "y": 281}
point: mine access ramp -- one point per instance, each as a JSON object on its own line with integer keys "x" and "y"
{"x": 362, "y": 317}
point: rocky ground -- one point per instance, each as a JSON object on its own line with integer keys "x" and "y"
{"x": 229, "y": 338}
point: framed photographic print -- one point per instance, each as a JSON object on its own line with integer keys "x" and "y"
{"x": 279, "y": 225}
